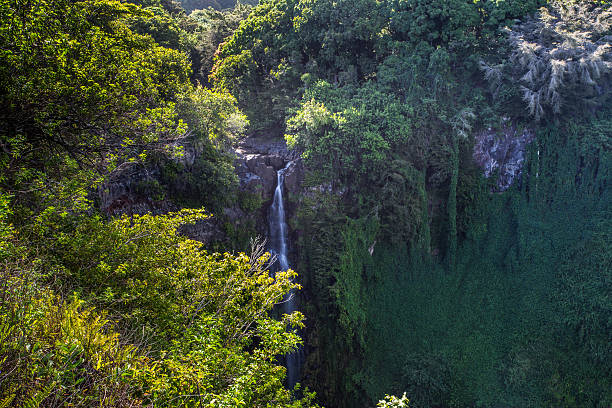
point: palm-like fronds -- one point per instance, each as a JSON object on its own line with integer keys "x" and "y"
{"x": 561, "y": 54}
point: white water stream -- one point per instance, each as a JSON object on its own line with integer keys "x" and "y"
{"x": 278, "y": 246}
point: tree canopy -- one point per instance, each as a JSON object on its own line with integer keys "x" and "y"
{"x": 122, "y": 311}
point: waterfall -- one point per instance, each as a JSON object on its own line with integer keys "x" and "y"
{"x": 278, "y": 246}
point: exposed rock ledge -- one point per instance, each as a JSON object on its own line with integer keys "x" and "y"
{"x": 258, "y": 160}
{"x": 502, "y": 150}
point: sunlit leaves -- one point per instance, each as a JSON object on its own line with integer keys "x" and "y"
{"x": 76, "y": 81}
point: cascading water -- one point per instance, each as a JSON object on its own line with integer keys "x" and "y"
{"x": 278, "y": 246}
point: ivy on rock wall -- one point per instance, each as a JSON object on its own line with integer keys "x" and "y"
{"x": 523, "y": 318}
{"x": 456, "y": 287}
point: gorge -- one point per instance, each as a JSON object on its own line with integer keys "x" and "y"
{"x": 432, "y": 178}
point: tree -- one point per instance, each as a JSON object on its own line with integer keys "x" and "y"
{"x": 561, "y": 58}
{"x": 213, "y": 28}
{"x": 219, "y": 5}
{"x": 181, "y": 324}
{"x": 81, "y": 95}
{"x": 127, "y": 311}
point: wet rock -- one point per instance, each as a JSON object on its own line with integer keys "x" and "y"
{"x": 256, "y": 165}
{"x": 502, "y": 151}
{"x": 276, "y": 161}
{"x": 274, "y": 150}
{"x": 253, "y": 161}
{"x": 268, "y": 177}
{"x": 258, "y": 160}
{"x": 294, "y": 176}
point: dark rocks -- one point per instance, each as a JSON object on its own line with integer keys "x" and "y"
{"x": 120, "y": 194}
{"x": 256, "y": 164}
{"x": 276, "y": 161}
{"x": 258, "y": 160}
{"x": 294, "y": 176}
{"x": 267, "y": 147}
{"x": 502, "y": 150}
{"x": 205, "y": 231}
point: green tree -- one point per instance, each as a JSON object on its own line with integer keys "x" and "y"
{"x": 199, "y": 324}
{"x": 128, "y": 311}
{"x": 213, "y": 28}
{"x": 81, "y": 95}
{"x": 560, "y": 59}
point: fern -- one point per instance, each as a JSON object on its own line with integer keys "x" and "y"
{"x": 34, "y": 401}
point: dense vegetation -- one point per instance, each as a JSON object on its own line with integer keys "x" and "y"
{"x": 421, "y": 276}
{"x": 124, "y": 311}
{"x": 192, "y": 5}
{"x": 420, "y": 279}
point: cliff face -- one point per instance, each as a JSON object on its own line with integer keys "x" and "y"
{"x": 256, "y": 162}
{"x": 120, "y": 194}
{"x": 129, "y": 191}
{"x": 499, "y": 152}
{"x": 502, "y": 152}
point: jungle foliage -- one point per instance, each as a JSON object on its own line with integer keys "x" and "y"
{"x": 423, "y": 279}
{"x": 125, "y": 311}
{"x": 420, "y": 278}
{"x": 191, "y": 5}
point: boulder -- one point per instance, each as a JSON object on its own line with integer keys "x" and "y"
{"x": 259, "y": 159}
{"x": 268, "y": 177}
{"x": 276, "y": 161}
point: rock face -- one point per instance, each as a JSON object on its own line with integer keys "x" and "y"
{"x": 258, "y": 160}
{"x": 502, "y": 150}
{"x": 120, "y": 194}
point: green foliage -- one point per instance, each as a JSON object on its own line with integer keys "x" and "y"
{"x": 203, "y": 175}
{"x": 583, "y": 291}
{"x": 163, "y": 27}
{"x": 384, "y": 123}
{"x": 56, "y": 351}
{"x": 522, "y": 320}
{"x": 427, "y": 379}
{"x": 422, "y": 281}
{"x": 212, "y": 116}
{"x": 200, "y": 172}
{"x": 198, "y": 322}
{"x": 560, "y": 59}
{"x": 71, "y": 118}
{"x": 456, "y": 22}
{"x": 127, "y": 311}
{"x": 393, "y": 402}
{"x": 344, "y": 42}
{"x": 245, "y": 63}
{"x": 191, "y": 5}
{"x": 81, "y": 94}
{"x": 363, "y": 140}
{"x": 280, "y": 41}
{"x": 208, "y": 181}
{"x": 435, "y": 22}
{"x": 213, "y": 28}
